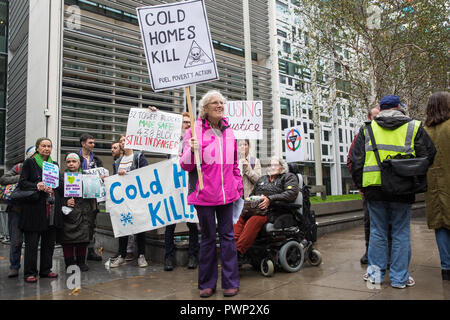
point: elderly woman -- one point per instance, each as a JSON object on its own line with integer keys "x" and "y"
{"x": 222, "y": 186}
{"x": 41, "y": 218}
{"x": 437, "y": 198}
{"x": 279, "y": 185}
{"x": 74, "y": 236}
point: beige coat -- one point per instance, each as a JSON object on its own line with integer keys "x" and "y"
{"x": 437, "y": 197}
{"x": 249, "y": 175}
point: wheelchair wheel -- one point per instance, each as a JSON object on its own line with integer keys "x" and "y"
{"x": 292, "y": 255}
{"x": 315, "y": 257}
{"x": 267, "y": 267}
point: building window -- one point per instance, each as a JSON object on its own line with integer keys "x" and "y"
{"x": 285, "y": 106}
{"x": 286, "y": 47}
{"x": 282, "y": 79}
{"x": 324, "y": 150}
{"x": 337, "y": 67}
{"x": 284, "y": 124}
{"x": 340, "y": 136}
{"x": 281, "y": 33}
{"x": 326, "y": 135}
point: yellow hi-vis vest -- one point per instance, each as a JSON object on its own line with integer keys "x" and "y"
{"x": 389, "y": 142}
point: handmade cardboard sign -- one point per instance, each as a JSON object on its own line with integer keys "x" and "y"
{"x": 50, "y": 175}
{"x": 177, "y": 44}
{"x": 153, "y": 131}
{"x": 73, "y": 185}
{"x": 148, "y": 198}
{"x": 245, "y": 118}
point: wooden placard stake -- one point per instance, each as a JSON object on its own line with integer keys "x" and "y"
{"x": 196, "y": 154}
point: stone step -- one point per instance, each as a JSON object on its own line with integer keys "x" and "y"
{"x": 339, "y": 221}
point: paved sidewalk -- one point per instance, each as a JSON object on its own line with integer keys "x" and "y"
{"x": 339, "y": 277}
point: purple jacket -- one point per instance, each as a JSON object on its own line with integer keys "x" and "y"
{"x": 222, "y": 182}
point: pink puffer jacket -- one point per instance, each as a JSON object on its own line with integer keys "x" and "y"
{"x": 219, "y": 162}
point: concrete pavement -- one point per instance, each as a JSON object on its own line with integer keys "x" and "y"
{"x": 338, "y": 277}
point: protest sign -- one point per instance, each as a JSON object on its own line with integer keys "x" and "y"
{"x": 50, "y": 175}
{"x": 73, "y": 185}
{"x": 295, "y": 144}
{"x": 148, "y": 198}
{"x": 177, "y": 44}
{"x": 91, "y": 186}
{"x": 153, "y": 131}
{"x": 245, "y": 118}
{"x": 99, "y": 172}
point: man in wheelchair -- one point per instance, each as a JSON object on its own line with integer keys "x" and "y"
{"x": 266, "y": 203}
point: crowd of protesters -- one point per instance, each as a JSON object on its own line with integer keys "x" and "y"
{"x": 46, "y": 217}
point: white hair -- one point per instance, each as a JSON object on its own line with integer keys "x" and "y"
{"x": 282, "y": 163}
{"x": 205, "y": 100}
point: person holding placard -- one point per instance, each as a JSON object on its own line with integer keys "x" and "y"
{"x": 39, "y": 219}
{"x": 222, "y": 186}
{"x": 74, "y": 235}
{"x": 13, "y": 209}
{"x": 116, "y": 150}
{"x": 89, "y": 161}
{"x": 130, "y": 161}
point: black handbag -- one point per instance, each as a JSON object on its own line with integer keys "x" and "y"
{"x": 251, "y": 209}
{"x": 19, "y": 195}
{"x": 402, "y": 174}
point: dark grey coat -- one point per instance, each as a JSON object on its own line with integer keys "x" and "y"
{"x": 76, "y": 223}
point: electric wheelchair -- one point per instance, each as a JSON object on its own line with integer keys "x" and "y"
{"x": 286, "y": 243}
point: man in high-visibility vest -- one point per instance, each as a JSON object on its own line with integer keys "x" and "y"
{"x": 395, "y": 133}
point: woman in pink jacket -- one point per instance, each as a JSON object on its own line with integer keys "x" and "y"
{"x": 222, "y": 186}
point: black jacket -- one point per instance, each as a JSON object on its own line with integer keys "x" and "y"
{"x": 76, "y": 223}
{"x": 391, "y": 119}
{"x": 284, "y": 188}
{"x": 33, "y": 216}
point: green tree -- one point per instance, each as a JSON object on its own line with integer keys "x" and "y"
{"x": 395, "y": 47}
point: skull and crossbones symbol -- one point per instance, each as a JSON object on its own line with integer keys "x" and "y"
{"x": 196, "y": 54}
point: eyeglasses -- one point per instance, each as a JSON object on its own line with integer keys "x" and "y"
{"x": 216, "y": 103}
{"x": 186, "y": 122}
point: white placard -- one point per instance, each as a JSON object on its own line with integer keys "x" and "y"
{"x": 245, "y": 118}
{"x": 177, "y": 44}
{"x": 153, "y": 131}
{"x": 50, "y": 175}
{"x": 91, "y": 186}
{"x": 148, "y": 198}
{"x": 99, "y": 172}
{"x": 295, "y": 144}
{"x": 73, "y": 185}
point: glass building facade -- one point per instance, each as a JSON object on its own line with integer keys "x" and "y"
{"x": 3, "y": 74}
{"x": 105, "y": 72}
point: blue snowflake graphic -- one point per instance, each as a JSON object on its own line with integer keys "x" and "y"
{"x": 128, "y": 218}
